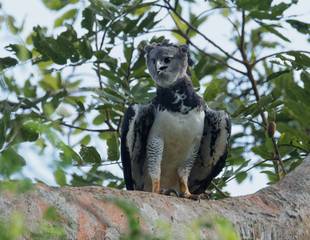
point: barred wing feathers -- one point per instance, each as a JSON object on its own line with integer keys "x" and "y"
{"x": 137, "y": 123}
{"x": 213, "y": 150}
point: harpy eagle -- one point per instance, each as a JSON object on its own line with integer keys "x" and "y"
{"x": 175, "y": 141}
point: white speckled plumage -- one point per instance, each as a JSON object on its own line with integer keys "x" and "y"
{"x": 181, "y": 135}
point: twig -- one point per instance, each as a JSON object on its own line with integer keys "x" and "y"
{"x": 103, "y": 36}
{"x": 235, "y": 26}
{"x": 219, "y": 190}
{"x": 256, "y": 122}
{"x": 250, "y": 168}
{"x": 209, "y": 55}
{"x": 50, "y": 70}
{"x": 108, "y": 121}
{"x": 87, "y": 129}
{"x": 101, "y": 164}
{"x": 97, "y": 64}
{"x": 170, "y": 8}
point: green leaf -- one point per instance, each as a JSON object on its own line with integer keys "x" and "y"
{"x": 59, "y": 50}
{"x": 29, "y": 89}
{"x": 225, "y": 229}
{"x": 103, "y": 56}
{"x": 28, "y": 133}
{"x": 51, "y": 214}
{"x": 85, "y": 48}
{"x": 305, "y": 77}
{"x": 254, "y": 109}
{"x": 299, "y": 26}
{"x": 21, "y": 52}
{"x": 99, "y": 119}
{"x": 68, "y": 155}
{"x": 197, "y": 20}
{"x": 254, "y": 4}
{"x": 16, "y": 186}
{"x": 271, "y": 29}
{"x": 85, "y": 140}
{"x": 51, "y": 83}
{"x": 60, "y": 177}
{"x": 241, "y": 176}
{"x": 110, "y": 74}
{"x": 148, "y": 22}
{"x": 57, "y": 4}
{"x": 90, "y": 154}
{"x": 66, "y": 16}
{"x": 301, "y": 59}
{"x": 47, "y": 46}
{"x": 141, "y": 9}
{"x": 103, "y": 8}
{"x": 271, "y": 176}
{"x": 179, "y": 23}
{"x": 65, "y": 44}
{"x": 113, "y": 147}
{"x": 10, "y": 22}
{"x": 13, "y": 226}
{"x": 89, "y": 18}
{"x": 276, "y": 74}
{"x": 271, "y": 13}
{"x": 10, "y": 162}
{"x": 112, "y": 95}
{"x": 262, "y": 151}
{"x": 128, "y": 52}
{"x": 131, "y": 211}
{"x": 7, "y": 62}
{"x": 215, "y": 87}
{"x": 278, "y": 9}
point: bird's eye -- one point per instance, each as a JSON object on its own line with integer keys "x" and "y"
{"x": 167, "y": 60}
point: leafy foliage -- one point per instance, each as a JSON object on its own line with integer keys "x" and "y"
{"x": 59, "y": 108}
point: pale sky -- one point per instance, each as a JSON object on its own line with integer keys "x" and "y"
{"x": 36, "y": 14}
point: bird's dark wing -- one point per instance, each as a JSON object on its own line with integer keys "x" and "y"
{"x": 213, "y": 150}
{"x": 137, "y": 123}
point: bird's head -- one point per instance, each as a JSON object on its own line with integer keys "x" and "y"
{"x": 166, "y": 63}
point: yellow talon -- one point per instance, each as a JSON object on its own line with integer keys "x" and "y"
{"x": 156, "y": 186}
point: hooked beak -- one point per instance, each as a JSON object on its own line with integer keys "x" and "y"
{"x": 160, "y": 67}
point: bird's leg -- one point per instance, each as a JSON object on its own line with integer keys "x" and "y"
{"x": 156, "y": 185}
{"x": 185, "y": 193}
{"x": 184, "y": 172}
{"x": 155, "y": 147}
{"x": 184, "y": 186}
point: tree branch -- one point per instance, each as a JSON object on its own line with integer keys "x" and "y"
{"x": 277, "y": 158}
{"x": 280, "y": 211}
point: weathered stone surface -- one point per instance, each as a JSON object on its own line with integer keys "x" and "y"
{"x": 281, "y": 211}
